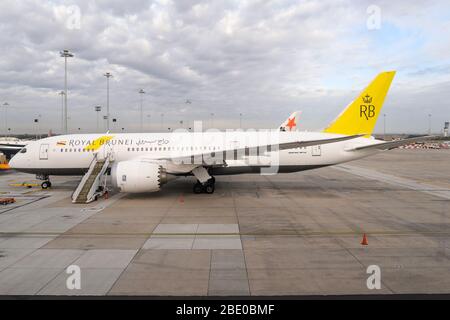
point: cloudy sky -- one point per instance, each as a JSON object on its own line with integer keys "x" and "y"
{"x": 263, "y": 59}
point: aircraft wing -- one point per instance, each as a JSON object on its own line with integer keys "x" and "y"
{"x": 394, "y": 144}
{"x": 186, "y": 158}
{"x": 10, "y": 149}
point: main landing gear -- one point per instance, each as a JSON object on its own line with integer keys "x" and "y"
{"x": 46, "y": 183}
{"x": 207, "y": 187}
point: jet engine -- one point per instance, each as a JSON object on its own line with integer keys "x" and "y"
{"x": 138, "y": 176}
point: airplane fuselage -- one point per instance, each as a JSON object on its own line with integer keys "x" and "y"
{"x": 72, "y": 154}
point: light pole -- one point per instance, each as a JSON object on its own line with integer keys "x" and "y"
{"x": 105, "y": 118}
{"x": 6, "y": 105}
{"x": 429, "y": 124}
{"x": 98, "y": 109}
{"x": 65, "y": 54}
{"x": 142, "y": 92}
{"x": 104, "y": 121}
{"x": 39, "y": 126}
{"x": 62, "y": 94}
{"x": 148, "y": 121}
{"x": 114, "y": 120}
{"x": 36, "y": 121}
{"x": 107, "y": 75}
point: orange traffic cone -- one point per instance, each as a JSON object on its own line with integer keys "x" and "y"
{"x": 364, "y": 241}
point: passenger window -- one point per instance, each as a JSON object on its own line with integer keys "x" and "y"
{"x": 24, "y": 150}
{"x": 124, "y": 178}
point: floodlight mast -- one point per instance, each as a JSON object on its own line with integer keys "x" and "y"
{"x": 107, "y": 75}
{"x": 65, "y": 54}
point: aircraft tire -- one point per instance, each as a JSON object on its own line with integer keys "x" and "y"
{"x": 198, "y": 188}
{"x": 209, "y": 188}
{"x": 46, "y": 185}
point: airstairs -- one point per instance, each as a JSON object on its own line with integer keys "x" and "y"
{"x": 93, "y": 183}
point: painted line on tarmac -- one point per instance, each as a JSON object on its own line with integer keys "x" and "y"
{"x": 24, "y": 204}
{"x": 300, "y": 234}
{"x": 393, "y": 180}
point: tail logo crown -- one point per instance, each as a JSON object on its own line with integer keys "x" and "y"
{"x": 367, "y": 99}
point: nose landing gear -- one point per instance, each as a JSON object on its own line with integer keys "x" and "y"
{"x": 46, "y": 183}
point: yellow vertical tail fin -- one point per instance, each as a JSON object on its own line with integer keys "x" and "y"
{"x": 361, "y": 115}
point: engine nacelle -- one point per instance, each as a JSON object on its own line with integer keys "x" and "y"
{"x": 138, "y": 176}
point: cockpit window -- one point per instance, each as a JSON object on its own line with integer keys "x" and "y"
{"x": 23, "y": 150}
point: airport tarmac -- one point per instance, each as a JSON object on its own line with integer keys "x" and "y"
{"x": 289, "y": 234}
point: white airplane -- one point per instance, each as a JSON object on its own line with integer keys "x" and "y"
{"x": 291, "y": 123}
{"x": 10, "y": 145}
{"x": 143, "y": 162}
